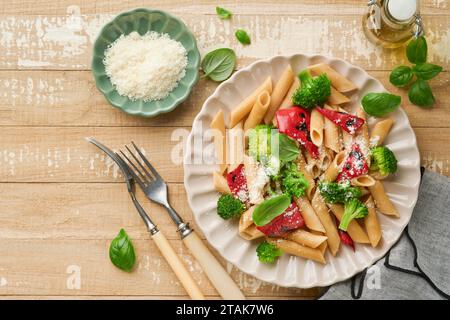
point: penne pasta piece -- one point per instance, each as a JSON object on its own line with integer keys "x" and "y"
{"x": 220, "y": 183}
{"x": 341, "y": 83}
{"x": 258, "y": 111}
{"x": 301, "y": 165}
{"x": 326, "y": 157}
{"x": 316, "y": 127}
{"x": 287, "y": 101}
{"x": 235, "y": 147}
{"x": 378, "y": 176}
{"x": 355, "y": 231}
{"x": 347, "y": 138}
{"x": 323, "y": 248}
{"x": 371, "y": 223}
{"x": 306, "y": 238}
{"x": 337, "y": 98}
{"x": 326, "y": 219}
{"x": 256, "y": 179}
{"x": 363, "y": 181}
{"x": 331, "y": 137}
{"x": 309, "y": 215}
{"x": 333, "y": 170}
{"x": 247, "y": 228}
{"x": 244, "y": 108}
{"x": 296, "y": 249}
{"x": 312, "y": 165}
{"x": 279, "y": 92}
{"x": 380, "y": 131}
{"x": 218, "y": 124}
{"x": 382, "y": 202}
{"x": 364, "y": 192}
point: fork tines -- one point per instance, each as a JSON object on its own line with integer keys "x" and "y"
{"x": 143, "y": 171}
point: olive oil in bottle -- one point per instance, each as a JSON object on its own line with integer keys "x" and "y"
{"x": 391, "y": 23}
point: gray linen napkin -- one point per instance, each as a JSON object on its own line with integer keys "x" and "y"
{"x": 418, "y": 266}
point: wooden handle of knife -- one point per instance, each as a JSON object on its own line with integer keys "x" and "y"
{"x": 219, "y": 278}
{"x": 177, "y": 266}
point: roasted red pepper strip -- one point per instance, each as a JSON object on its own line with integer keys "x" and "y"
{"x": 295, "y": 123}
{"x": 345, "y": 238}
{"x": 347, "y": 122}
{"x": 290, "y": 220}
{"x": 238, "y": 183}
{"x": 354, "y": 166}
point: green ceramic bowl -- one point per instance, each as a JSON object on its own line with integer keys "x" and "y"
{"x": 143, "y": 20}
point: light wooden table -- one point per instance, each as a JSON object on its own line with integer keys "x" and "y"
{"x": 62, "y": 201}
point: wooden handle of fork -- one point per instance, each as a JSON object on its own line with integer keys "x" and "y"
{"x": 177, "y": 266}
{"x": 220, "y": 279}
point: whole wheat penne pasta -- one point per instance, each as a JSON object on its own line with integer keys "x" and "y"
{"x": 312, "y": 165}
{"x": 243, "y": 109}
{"x": 323, "y": 248}
{"x": 371, "y": 223}
{"x": 309, "y": 215}
{"x": 218, "y": 124}
{"x": 279, "y": 92}
{"x": 362, "y": 136}
{"x": 337, "y": 98}
{"x": 301, "y": 165}
{"x": 325, "y": 158}
{"x": 354, "y": 230}
{"x": 316, "y": 127}
{"x": 331, "y": 231}
{"x": 296, "y": 249}
{"x": 247, "y": 228}
{"x": 364, "y": 191}
{"x": 235, "y": 147}
{"x": 306, "y": 238}
{"x": 382, "y": 202}
{"x": 287, "y": 101}
{"x": 380, "y": 131}
{"x": 333, "y": 170}
{"x": 378, "y": 176}
{"x": 220, "y": 183}
{"x": 331, "y": 137}
{"x": 363, "y": 181}
{"x": 341, "y": 83}
{"x": 258, "y": 111}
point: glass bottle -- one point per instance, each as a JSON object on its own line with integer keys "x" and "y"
{"x": 391, "y": 23}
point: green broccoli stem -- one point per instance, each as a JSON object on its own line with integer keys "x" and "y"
{"x": 305, "y": 77}
{"x": 345, "y": 221}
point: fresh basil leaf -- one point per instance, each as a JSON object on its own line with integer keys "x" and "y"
{"x": 242, "y": 36}
{"x": 380, "y": 104}
{"x": 417, "y": 49}
{"x": 420, "y": 94}
{"x": 401, "y": 76}
{"x": 223, "y": 13}
{"x": 271, "y": 208}
{"x": 121, "y": 252}
{"x": 426, "y": 71}
{"x": 287, "y": 148}
{"x": 219, "y": 64}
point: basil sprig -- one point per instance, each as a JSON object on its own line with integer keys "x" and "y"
{"x": 419, "y": 92}
{"x": 218, "y": 65}
{"x": 242, "y": 36}
{"x": 380, "y": 104}
{"x": 269, "y": 209}
{"x": 223, "y": 13}
{"x": 288, "y": 149}
{"x": 121, "y": 252}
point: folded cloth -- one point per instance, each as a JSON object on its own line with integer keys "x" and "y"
{"x": 418, "y": 266}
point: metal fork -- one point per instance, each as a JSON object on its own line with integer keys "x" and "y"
{"x": 155, "y": 189}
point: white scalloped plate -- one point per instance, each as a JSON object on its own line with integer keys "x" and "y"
{"x": 291, "y": 271}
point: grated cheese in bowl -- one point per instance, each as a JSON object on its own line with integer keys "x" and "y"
{"x": 145, "y": 67}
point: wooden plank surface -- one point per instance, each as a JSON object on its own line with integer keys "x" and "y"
{"x": 62, "y": 201}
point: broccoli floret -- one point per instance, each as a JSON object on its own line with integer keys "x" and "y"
{"x": 313, "y": 91}
{"x": 268, "y": 252}
{"x": 383, "y": 160}
{"x": 333, "y": 192}
{"x": 293, "y": 181}
{"x": 228, "y": 206}
{"x": 354, "y": 209}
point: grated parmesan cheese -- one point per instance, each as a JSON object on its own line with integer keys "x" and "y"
{"x": 145, "y": 67}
